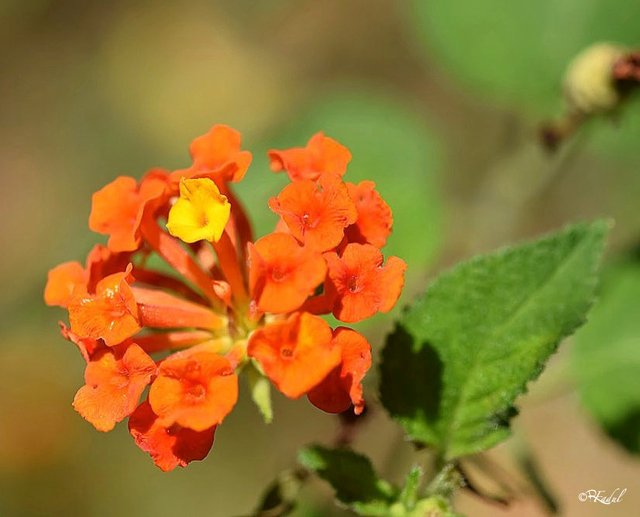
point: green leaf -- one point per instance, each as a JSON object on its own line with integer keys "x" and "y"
{"x": 606, "y": 357}
{"x": 410, "y": 491}
{"x": 446, "y": 482}
{"x": 432, "y": 507}
{"x": 463, "y": 352}
{"x": 351, "y": 475}
{"x": 260, "y": 389}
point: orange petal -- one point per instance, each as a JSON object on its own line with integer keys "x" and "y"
{"x": 362, "y": 284}
{"x": 321, "y": 303}
{"x": 374, "y": 215}
{"x": 61, "y": 281}
{"x": 115, "y": 378}
{"x": 316, "y": 212}
{"x": 392, "y": 278}
{"x": 343, "y": 386}
{"x": 102, "y": 262}
{"x": 217, "y": 155}
{"x": 169, "y": 447}
{"x": 321, "y": 154}
{"x": 156, "y": 191}
{"x": 195, "y": 388}
{"x": 111, "y": 314}
{"x": 117, "y": 209}
{"x": 87, "y": 346}
{"x": 296, "y": 354}
{"x": 282, "y": 274}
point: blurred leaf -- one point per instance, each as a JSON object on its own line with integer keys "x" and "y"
{"x": 446, "y": 482}
{"x": 391, "y": 146}
{"x": 606, "y": 358}
{"x": 463, "y": 352}
{"x": 519, "y": 50}
{"x": 411, "y": 488}
{"x": 353, "y": 478}
{"x": 531, "y": 470}
{"x": 431, "y": 507}
{"x": 280, "y": 497}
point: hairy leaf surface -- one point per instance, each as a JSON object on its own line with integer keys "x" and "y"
{"x": 464, "y": 351}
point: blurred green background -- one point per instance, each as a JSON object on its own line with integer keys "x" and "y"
{"x": 439, "y": 101}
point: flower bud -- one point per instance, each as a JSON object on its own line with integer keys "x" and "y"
{"x": 589, "y": 85}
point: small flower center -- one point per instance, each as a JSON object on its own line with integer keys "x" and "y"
{"x": 352, "y": 284}
{"x": 307, "y": 221}
{"x": 278, "y": 274}
{"x": 196, "y": 393}
{"x": 286, "y": 352}
{"x": 203, "y": 219}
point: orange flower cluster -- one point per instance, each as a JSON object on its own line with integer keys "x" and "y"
{"x": 229, "y": 303}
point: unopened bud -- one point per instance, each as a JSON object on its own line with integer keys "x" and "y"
{"x": 589, "y": 85}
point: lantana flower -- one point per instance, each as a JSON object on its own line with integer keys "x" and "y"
{"x": 166, "y": 350}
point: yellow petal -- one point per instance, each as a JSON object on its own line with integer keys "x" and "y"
{"x": 200, "y": 213}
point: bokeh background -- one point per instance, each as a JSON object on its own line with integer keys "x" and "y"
{"x": 439, "y": 101}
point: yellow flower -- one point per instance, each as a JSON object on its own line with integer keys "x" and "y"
{"x": 200, "y": 213}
